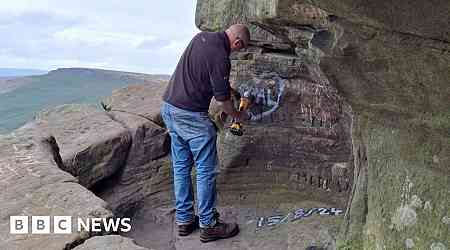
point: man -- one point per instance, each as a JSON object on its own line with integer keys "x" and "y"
{"x": 202, "y": 72}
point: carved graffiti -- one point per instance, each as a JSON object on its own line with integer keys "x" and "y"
{"x": 310, "y": 13}
{"x": 24, "y": 156}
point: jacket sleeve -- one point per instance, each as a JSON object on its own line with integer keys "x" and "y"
{"x": 219, "y": 73}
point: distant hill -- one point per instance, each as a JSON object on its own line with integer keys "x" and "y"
{"x": 12, "y": 72}
{"x": 26, "y": 96}
{"x": 8, "y": 84}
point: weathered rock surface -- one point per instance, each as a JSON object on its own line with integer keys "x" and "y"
{"x": 137, "y": 109}
{"x": 141, "y": 100}
{"x": 32, "y": 184}
{"x": 390, "y": 64}
{"x": 120, "y": 155}
{"x": 92, "y": 146}
{"x": 110, "y": 242}
{"x": 300, "y": 135}
{"x": 301, "y": 140}
{"x": 252, "y": 212}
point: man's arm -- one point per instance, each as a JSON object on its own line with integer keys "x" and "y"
{"x": 220, "y": 68}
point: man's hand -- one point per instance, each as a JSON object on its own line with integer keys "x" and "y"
{"x": 242, "y": 116}
{"x": 228, "y": 108}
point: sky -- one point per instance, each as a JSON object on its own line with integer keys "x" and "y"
{"x": 146, "y": 36}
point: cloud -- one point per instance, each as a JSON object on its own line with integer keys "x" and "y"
{"x": 100, "y": 38}
{"x": 138, "y": 35}
{"x": 29, "y": 33}
{"x": 154, "y": 43}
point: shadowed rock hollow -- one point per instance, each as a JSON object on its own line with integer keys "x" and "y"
{"x": 348, "y": 148}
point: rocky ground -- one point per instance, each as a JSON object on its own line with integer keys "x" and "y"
{"x": 266, "y": 220}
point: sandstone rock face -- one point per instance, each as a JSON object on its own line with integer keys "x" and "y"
{"x": 93, "y": 147}
{"x": 141, "y": 100}
{"x": 137, "y": 109}
{"x": 132, "y": 183}
{"x": 32, "y": 184}
{"x": 120, "y": 155}
{"x": 300, "y": 127}
{"x": 388, "y": 68}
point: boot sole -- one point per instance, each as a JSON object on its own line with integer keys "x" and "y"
{"x": 185, "y": 233}
{"x": 232, "y": 234}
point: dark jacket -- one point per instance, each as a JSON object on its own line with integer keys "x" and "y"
{"x": 202, "y": 72}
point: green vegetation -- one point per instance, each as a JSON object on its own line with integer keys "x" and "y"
{"x": 62, "y": 86}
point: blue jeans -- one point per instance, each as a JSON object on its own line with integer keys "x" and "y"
{"x": 193, "y": 140}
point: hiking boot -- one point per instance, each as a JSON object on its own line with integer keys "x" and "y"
{"x": 220, "y": 230}
{"x": 186, "y": 229}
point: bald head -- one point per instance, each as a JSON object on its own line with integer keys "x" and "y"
{"x": 238, "y": 33}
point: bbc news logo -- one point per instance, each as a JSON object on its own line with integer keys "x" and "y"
{"x": 64, "y": 224}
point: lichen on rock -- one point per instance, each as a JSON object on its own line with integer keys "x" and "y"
{"x": 404, "y": 216}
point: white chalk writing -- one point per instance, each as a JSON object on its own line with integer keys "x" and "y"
{"x": 298, "y": 214}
